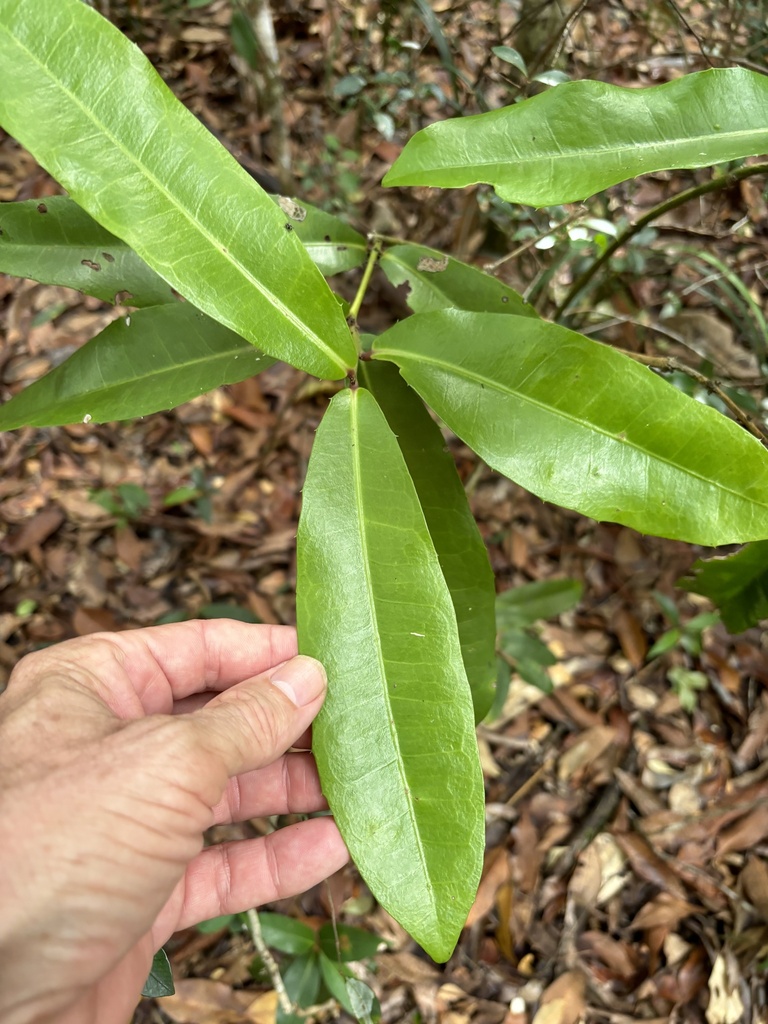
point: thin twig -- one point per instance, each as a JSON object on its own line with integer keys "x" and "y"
{"x": 731, "y": 178}
{"x": 689, "y": 28}
{"x": 668, "y": 364}
{"x": 254, "y": 927}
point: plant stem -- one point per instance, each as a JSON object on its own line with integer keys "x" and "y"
{"x": 725, "y": 181}
{"x": 354, "y": 309}
{"x": 254, "y": 927}
{"x": 670, "y": 365}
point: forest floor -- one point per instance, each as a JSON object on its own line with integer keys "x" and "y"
{"x": 626, "y": 873}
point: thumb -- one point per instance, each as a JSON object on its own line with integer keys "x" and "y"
{"x": 252, "y": 723}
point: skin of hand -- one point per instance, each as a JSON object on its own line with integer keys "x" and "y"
{"x": 117, "y": 752}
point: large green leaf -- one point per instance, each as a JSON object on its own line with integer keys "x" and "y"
{"x": 737, "y": 584}
{"x": 437, "y": 281}
{"x": 332, "y": 244}
{"x": 454, "y": 532}
{"x": 394, "y": 740}
{"x": 154, "y": 359}
{"x": 92, "y": 110}
{"x": 579, "y": 424}
{"x": 575, "y": 140}
{"x": 56, "y": 242}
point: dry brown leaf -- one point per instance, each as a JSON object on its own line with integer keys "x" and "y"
{"x": 663, "y": 911}
{"x": 725, "y": 1002}
{"x": 563, "y": 1002}
{"x": 590, "y": 745}
{"x": 600, "y": 873}
{"x": 35, "y": 530}
{"x": 495, "y": 873}
{"x": 648, "y": 865}
{"x": 754, "y": 880}
{"x": 752, "y": 829}
{"x": 203, "y": 1001}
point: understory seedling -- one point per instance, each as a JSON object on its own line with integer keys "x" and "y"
{"x": 394, "y": 589}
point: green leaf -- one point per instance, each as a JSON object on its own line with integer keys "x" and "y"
{"x": 737, "y": 584}
{"x": 523, "y": 647}
{"x": 160, "y": 980}
{"x": 332, "y": 244}
{"x": 460, "y": 548}
{"x": 335, "y": 983}
{"x": 216, "y": 924}
{"x": 526, "y": 604}
{"x": 56, "y": 242}
{"x": 584, "y": 426}
{"x": 363, "y": 1000}
{"x": 437, "y": 281}
{"x": 225, "y": 610}
{"x": 511, "y": 56}
{"x": 394, "y": 740}
{"x": 92, "y": 110}
{"x": 575, "y": 140}
{"x": 243, "y": 38}
{"x": 302, "y": 980}
{"x": 354, "y": 943}
{"x": 153, "y": 359}
{"x": 286, "y": 934}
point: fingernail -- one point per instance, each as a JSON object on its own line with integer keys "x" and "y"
{"x": 301, "y": 679}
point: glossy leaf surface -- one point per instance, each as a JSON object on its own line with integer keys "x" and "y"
{"x": 543, "y": 599}
{"x": 460, "y": 548}
{"x": 581, "y": 425}
{"x": 394, "y": 740}
{"x": 286, "y": 934}
{"x": 92, "y": 110}
{"x": 737, "y": 584}
{"x": 154, "y": 359}
{"x": 437, "y": 281}
{"x": 56, "y": 242}
{"x": 332, "y": 244}
{"x": 573, "y": 141}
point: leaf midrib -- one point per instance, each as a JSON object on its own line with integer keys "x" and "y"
{"x": 95, "y": 393}
{"x": 144, "y": 170}
{"x": 357, "y": 474}
{"x": 574, "y": 152}
{"x": 399, "y": 357}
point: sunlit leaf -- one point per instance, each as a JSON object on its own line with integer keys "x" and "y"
{"x": 577, "y": 139}
{"x": 460, "y": 548}
{"x": 92, "y": 110}
{"x": 394, "y": 740}
{"x": 154, "y": 359}
{"x": 584, "y": 426}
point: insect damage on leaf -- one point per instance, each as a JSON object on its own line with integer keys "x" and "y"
{"x": 432, "y": 265}
{"x": 291, "y": 208}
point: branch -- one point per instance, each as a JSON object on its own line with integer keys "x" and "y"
{"x": 731, "y": 178}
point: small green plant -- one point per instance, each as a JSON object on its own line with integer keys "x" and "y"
{"x": 517, "y": 643}
{"x": 685, "y": 635}
{"x": 127, "y": 502}
{"x": 313, "y": 961}
{"x": 395, "y": 593}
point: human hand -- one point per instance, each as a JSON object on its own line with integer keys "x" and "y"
{"x": 117, "y": 751}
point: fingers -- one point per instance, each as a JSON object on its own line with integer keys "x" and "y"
{"x": 251, "y": 724}
{"x": 233, "y": 877}
{"x": 145, "y": 671}
{"x": 289, "y": 785}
